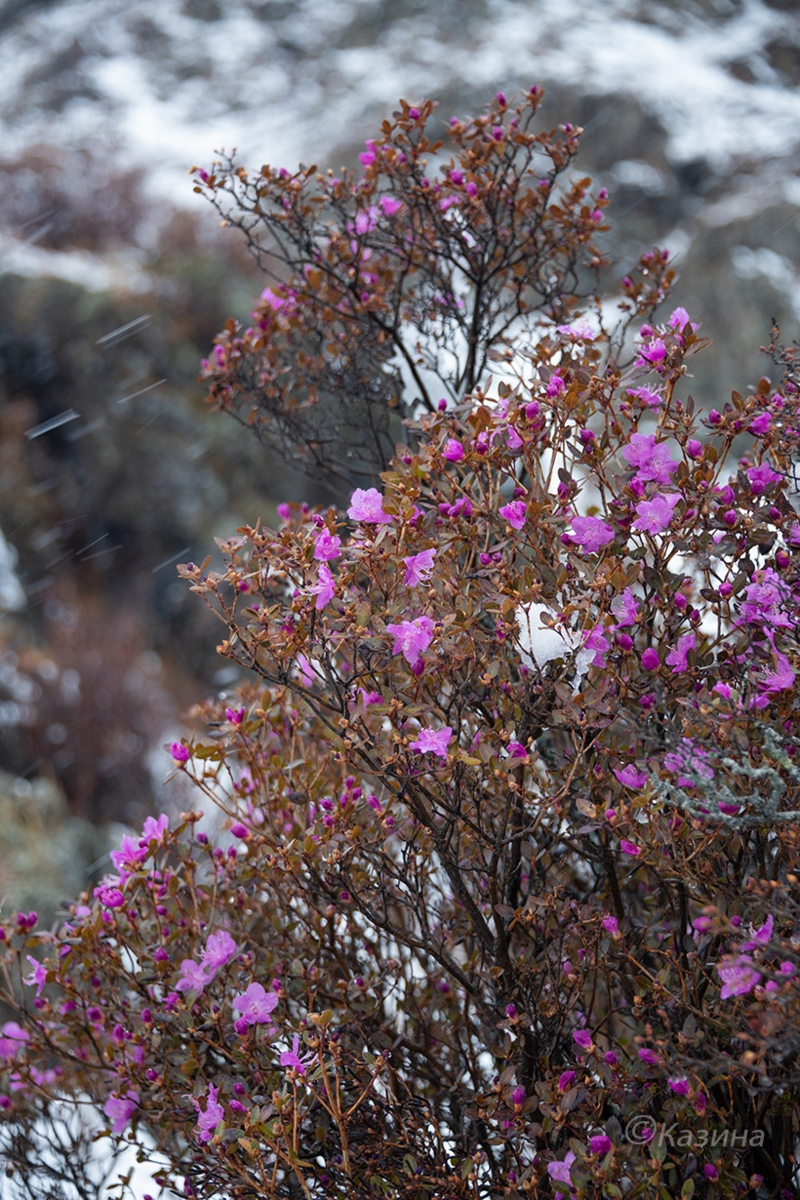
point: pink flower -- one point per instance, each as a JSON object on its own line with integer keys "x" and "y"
{"x": 625, "y": 608}
{"x": 679, "y": 319}
{"x": 560, "y": 1170}
{"x": 651, "y": 353}
{"x": 610, "y": 924}
{"x": 193, "y": 977}
{"x": 654, "y": 516}
{"x": 234, "y": 715}
{"x": 629, "y": 848}
{"x": 220, "y": 949}
{"x": 325, "y": 587}
{"x": 367, "y": 506}
{"x": 368, "y": 156}
{"x": 209, "y": 1119}
{"x": 578, "y": 331}
{"x": 738, "y": 977}
{"x": 130, "y": 857}
{"x": 566, "y": 1080}
{"x": 256, "y": 1005}
{"x": 600, "y": 1144}
{"x": 652, "y": 459}
{"x": 679, "y": 1086}
{"x": 327, "y": 546}
{"x": 650, "y": 1057}
{"x": 583, "y": 1038}
{"x": 12, "y": 1040}
{"x": 778, "y": 680}
{"x": 516, "y": 750}
{"x": 418, "y": 567}
{"x": 120, "y": 1109}
{"x": 432, "y": 741}
{"x": 678, "y": 658}
{"x": 291, "y": 1058}
{"x": 181, "y": 754}
{"x": 649, "y": 396}
{"x": 591, "y": 533}
{"x": 631, "y": 777}
{"x": 597, "y": 641}
{"x": 453, "y": 451}
{"x": 37, "y": 976}
{"x": 389, "y": 205}
{"x": 514, "y": 513}
{"x": 761, "y": 477}
{"x": 650, "y": 659}
{"x": 154, "y": 830}
{"x": 760, "y": 425}
{"x": 411, "y": 638}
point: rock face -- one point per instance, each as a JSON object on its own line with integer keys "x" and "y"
{"x": 46, "y": 855}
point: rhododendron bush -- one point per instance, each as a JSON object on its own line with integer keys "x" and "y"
{"x": 506, "y": 904}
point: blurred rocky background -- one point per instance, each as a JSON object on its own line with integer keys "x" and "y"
{"x": 114, "y": 278}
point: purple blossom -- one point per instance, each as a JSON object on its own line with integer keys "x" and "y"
{"x": 760, "y": 425}
{"x": 678, "y": 658}
{"x": 631, "y": 777}
{"x": 625, "y": 608}
{"x": 579, "y": 331}
{"x": 560, "y": 1170}
{"x": 130, "y": 857}
{"x": 514, "y": 513}
{"x": 193, "y": 977}
{"x": 210, "y": 1117}
{"x": 518, "y": 1097}
{"x": 389, "y": 205}
{"x": 432, "y": 741}
{"x": 679, "y": 319}
{"x": 220, "y": 949}
{"x": 12, "y": 1040}
{"x": 649, "y": 396}
{"x": 367, "y": 506}
{"x": 600, "y": 1144}
{"x": 649, "y": 1057}
{"x": 651, "y": 353}
{"x": 181, "y": 754}
{"x": 688, "y": 757}
{"x": 629, "y": 848}
{"x": 411, "y": 638}
{"x": 327, "y": 546}
{"x": 325, "y": 587}
{"x": 650, "y": 659}
{"x": 291, "y": 1058}
{"x": 453, "y": 451}
{"x": 256, "y": 1005}
{"x": 654, "y": 516}
{"x": 738, "y": 977}
{"x": 566, "y": 1080}
{"x": 38, "y": 975}
{"x": 610, "y": 924}
{"x": 652, "y": 459}
{"x": 679, "y": 1086}
{"x": 516, "y": 750}
{"x": 780, "y": 679}
{"x": 765, "y": 601}
{"x": 761, "y": 477}
{"x": 596, "y": 640}
{"x": 583, "y": 1039}
{"x": 591, "y": 533}
{"x": 154, "y": 829}
{"x": 418, "y": 567}
{"x": 120, "y": 1109}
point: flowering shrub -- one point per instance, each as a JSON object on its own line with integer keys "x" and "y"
{"x": 508, "y": 906}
